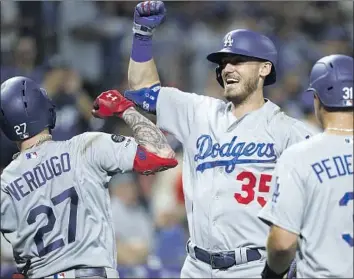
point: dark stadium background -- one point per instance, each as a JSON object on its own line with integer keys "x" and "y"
{"x": 76, "y": 49}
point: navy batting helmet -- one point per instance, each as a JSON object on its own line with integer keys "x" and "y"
{"x": 250, "y": 44}
{"x": 331, "y": 80}
{"x": 26, "y": 110}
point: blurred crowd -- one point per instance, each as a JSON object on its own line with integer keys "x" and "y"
{"x": 77, "y": 49}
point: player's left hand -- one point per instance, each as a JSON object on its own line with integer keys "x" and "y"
{"x": 110, "y": 103}
{"x": 147, "y": 16}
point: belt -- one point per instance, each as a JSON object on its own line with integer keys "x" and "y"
{"x": 85, "y": 272}
{"x": 226, "y": 259}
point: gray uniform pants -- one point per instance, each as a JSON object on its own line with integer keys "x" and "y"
{"x": 194, "y": 268}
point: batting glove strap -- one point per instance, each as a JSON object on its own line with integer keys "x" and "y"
{"x": 268, "y": 273}
{"x": 292, "y": 270}
{"x": 142, "y": 30}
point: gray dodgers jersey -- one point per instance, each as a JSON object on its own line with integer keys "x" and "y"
{"x": 55, "y": 207}
{"x": 227, "y": 164}
{"x": 313, "y": 197}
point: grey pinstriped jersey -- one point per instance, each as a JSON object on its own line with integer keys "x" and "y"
{"x": 313, "y": 197}
{"x": 227, "y": 164}
{"x": 55, "y": 208}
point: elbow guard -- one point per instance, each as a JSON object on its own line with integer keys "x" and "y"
{"x": 144, "y": 98}
{"x": 148, "y": 163}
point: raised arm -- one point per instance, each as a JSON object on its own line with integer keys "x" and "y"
{"x": 146, "y": 134}
{"x": 175, "y": 110}
{"x": 142, "y": 71}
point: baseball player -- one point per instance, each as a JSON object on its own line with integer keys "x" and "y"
{"x": 230, "y": 149}
{"x": 311, "y": 211}
{"x": 55, "y": 208}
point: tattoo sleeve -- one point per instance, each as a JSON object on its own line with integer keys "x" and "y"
{"x": 147, "y": 134}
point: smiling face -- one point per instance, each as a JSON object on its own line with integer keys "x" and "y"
{"x": 242, "y": 76}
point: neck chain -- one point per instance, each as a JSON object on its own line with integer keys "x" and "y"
{"x": 338, "y": 129}
{"x": 41, "y": 139}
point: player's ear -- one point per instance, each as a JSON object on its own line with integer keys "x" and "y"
{"x": 265, "y": 69}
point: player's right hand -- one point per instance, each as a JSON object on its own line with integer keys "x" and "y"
{"x": 110, "y": 103}
{"x": 147, "y": 16}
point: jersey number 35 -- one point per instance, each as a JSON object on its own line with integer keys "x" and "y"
{"x": 250, "y": 186}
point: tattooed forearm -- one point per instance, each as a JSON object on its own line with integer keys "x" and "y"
{"x": 147, "y": 134}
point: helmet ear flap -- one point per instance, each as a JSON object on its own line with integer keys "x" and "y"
{"x": 53, "y": 118}
{"x": 218, "y": 70}
{"x": 52, "y": 113}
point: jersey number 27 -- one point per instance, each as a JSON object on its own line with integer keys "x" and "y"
{"x": 249, "y": 189}
{"x": 47, "y": 210}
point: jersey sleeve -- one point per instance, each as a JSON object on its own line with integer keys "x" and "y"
{"x": 8, "y": 214}
{"x": 112, "y": 153}
{"x": 298, "y": 132}
{"x": 176, "y": 111}
{"x": 285, "y": 209}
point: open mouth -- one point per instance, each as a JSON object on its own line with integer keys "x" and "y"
{"x": 232, "y": 81}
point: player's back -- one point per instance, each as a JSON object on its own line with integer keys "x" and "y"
{"x": 326, "y": 241}
{"x": 60, "y": 208}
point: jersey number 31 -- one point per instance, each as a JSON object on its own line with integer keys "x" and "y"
{"x": 47, "y": 210}
{"x": 248, "y": 187}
